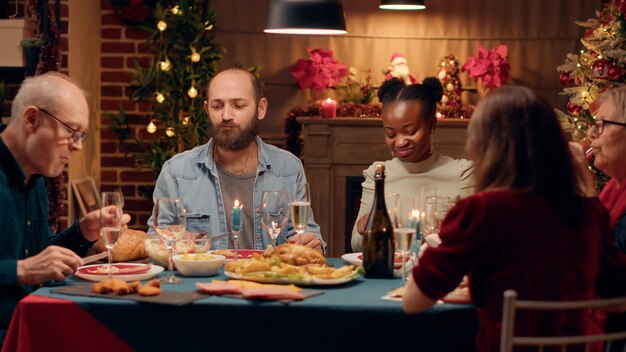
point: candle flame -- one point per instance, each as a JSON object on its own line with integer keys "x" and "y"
{"x": 415, "y": 213}
{"x": 236, "y": 203}
{"x": 328, "y": 100}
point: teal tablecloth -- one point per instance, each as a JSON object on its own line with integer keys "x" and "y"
{"x": 351, "y": 316}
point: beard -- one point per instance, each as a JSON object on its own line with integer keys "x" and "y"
{"x": 234, "y": 139}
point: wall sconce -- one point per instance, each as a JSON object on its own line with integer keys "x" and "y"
{"x": 324, "y": 17}
{"x": 402, "y": 5}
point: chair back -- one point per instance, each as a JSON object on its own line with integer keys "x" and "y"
{"x": 512, "y": 305}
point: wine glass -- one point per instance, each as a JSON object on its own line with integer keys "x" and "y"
{"x": 119, "y": 190}
{"x": 435, "y": 210}
{"x": 391, "y": 202}
{"x": 170, "y": 217}
{"x": 274, "y": 212}
{"x": 404, "y": 229}
{"x": 299, "y": 208}
{"x": 110, "y": 222}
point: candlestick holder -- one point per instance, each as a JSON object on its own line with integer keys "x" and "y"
{"x": 235, "y": 234}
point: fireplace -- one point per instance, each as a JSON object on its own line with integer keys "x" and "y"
{"x": 336, "y": 151}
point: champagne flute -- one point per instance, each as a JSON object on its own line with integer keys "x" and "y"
{"x": 119, "y": 190}
{"x": 435, "y": 211}
{"x": 300, "y": 208}
{"x": 274, "y": 211}
{"x": 170, "y": 217}
{"x": 391, "y": 202}
{"x": 110, "y": 223}
{"x": 404, "y": 229}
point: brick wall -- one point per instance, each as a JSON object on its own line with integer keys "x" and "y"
{"x": 121, "y": 47}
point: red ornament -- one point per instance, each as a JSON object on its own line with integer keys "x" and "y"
{"x": 573, "y": 108}
{"x": 593, "y": 53}
{"x": 614, "y": 73}
{"x": 599, "y": 69}
{"x": 565, "y": 79}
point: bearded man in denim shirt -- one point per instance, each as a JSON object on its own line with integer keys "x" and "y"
{"x": 234, "y": 165}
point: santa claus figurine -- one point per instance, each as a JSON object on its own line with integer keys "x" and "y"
{"x": 399, "y": 69}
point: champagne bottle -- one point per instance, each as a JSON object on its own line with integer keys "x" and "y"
{"x": 378, "y": 243}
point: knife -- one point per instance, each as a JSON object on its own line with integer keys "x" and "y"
{"x": 93, "y": 258}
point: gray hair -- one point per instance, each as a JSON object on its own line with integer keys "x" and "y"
{"x": 616, "y": 98}
{"x": 42, "y": 91}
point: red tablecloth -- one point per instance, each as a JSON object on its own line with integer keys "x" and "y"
{"x": 32, "y": 330}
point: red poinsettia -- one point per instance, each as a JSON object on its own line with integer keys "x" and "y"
{"x": 321, "y": 70}
{"x": 491, "y": 66}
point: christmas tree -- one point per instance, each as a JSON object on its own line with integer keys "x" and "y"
{"x": 173, "y": 85}
{"x": 451, "y": 105}
{"x": 597, "y": 67}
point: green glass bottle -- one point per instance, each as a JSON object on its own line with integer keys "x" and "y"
{"x": 378, "y": 243}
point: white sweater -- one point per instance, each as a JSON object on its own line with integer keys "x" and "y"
{"x": 450, "y": 176}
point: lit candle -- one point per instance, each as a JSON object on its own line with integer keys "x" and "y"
{"x": 236, "y": 216}
{"x": 329, "y": 108}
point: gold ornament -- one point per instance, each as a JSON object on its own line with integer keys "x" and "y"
{"x": 160, "y": 97}
{"x": 195, "y": 57}
{"x": 170, "y": 132}
{"x": 165, "y": 65}
{"x": 192, "y": 92}
{"x": 151, "y": 127}
{"x": 161, "y": 26}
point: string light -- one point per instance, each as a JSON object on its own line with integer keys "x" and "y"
{"x": 161, "y": 26}
{"x": 195, "y": 57}
{"x": 165, "y": 65}
{"x": 176, "y": 10}
{"x": 186, "y": 120}
{"x": 208, "y": 26}
{"x": 160, "y": 98}
{"x": 151, "y": 127}
{"x": 170, "y": 132}
{"x": 192, "y": 92}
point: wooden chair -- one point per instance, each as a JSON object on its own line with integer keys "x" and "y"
{"x": 512, "y": 305}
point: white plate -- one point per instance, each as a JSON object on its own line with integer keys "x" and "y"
{"x": 353, "y": 258}
{"x": 313, "y": 281}
{"x": 154, "y": 271}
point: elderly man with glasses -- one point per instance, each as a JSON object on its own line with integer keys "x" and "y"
{"x": 48, "y": 118}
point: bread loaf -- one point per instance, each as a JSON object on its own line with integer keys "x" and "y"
{"x": 129, "y": 246}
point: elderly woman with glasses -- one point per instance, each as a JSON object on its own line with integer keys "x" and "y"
{"x": 608, "y": 150}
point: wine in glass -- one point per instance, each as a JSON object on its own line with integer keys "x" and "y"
{"x": 110, "y": 223}
{"x": 300, "y": 208}
{"x": 170, "y": 217}
{"x": 435, "y": 210}
{"x": 274, "y": 212}
{"x": 404, "y": 229}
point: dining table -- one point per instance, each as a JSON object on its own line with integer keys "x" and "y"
{"x": 348, "y": 317}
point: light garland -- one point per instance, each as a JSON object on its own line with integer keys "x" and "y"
{"x": 161, "y": 26}
{"x": 170, "y": 132}
{"x": 151, "y": 127}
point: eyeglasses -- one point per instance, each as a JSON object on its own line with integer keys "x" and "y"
{"x": 599, "y": 125}
{"x": 76, "y": 134}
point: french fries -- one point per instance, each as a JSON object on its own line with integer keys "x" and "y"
{"x": 273, "y": 267}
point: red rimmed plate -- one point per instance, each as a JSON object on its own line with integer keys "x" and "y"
{"x": 241, "y": 253}
{"x": 126, "y": 272}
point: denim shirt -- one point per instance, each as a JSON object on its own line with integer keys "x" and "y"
{"x": 192, "y": 176}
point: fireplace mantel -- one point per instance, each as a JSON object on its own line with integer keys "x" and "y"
{"x": 340, "y": 148}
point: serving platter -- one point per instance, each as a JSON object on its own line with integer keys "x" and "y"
{"x": 266, "y": 278}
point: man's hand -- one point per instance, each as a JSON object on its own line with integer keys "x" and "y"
{"x": 54, "y": 263}
{"x": 361, "y": 223}
{"x": 90, "y": 224}
{"x": 308, "y": 239}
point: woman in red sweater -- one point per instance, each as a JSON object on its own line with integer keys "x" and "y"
{"x": 526, "y": 229}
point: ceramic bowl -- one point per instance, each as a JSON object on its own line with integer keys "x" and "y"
{"x": 189, "y": 265}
